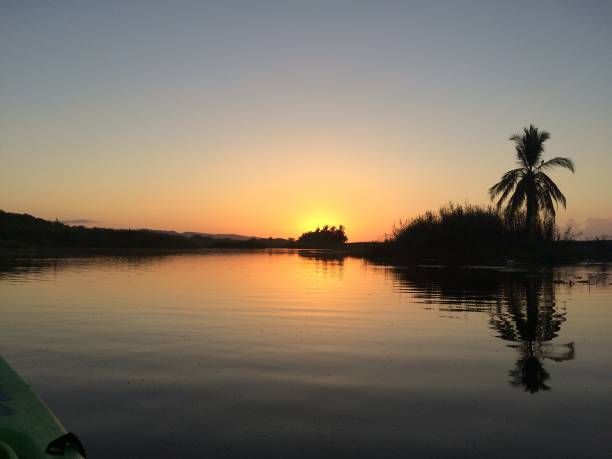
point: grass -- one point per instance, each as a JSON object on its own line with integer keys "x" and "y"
{"x": 465, "y": 232}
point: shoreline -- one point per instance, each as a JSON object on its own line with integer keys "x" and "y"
{"x": 557, "y": 252}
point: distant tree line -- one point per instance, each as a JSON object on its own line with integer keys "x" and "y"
{"x": 23, "y": 230}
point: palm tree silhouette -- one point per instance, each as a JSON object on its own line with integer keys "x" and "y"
{"x": 528, "y": 184}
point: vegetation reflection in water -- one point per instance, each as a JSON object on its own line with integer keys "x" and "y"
{"x": 255, "y": 353}
{"x": 521, "y": 304}
{"x": 522, "y": 307}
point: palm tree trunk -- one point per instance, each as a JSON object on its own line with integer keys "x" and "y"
{"x": 532, "y": 209}
{"x": 531, "y": 221}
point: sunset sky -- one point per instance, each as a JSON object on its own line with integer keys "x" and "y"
{"x": 268, "y": 118}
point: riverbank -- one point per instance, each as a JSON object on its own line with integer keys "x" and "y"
{"x": 556, "y": 252}
{"x": 552, "y": 252}
{"x": 458, "y": 236}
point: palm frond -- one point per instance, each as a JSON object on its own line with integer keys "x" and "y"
{"x": 543, "y": 136}
{"x": 507, "y": 181}
{"x": 558, "y": 161}
{"x": 550, "y": 188}
{"x": 518, "y": 198}
{"x": 519, "y": 146}
{"x": 545, "y": 200}
{"x": 530, "y": 145}
{"x": 505, "y": 186}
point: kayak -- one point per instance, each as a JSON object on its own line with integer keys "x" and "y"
{"x": 28, "y": 429}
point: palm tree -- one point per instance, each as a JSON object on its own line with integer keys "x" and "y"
{"x": 528, "y": 184}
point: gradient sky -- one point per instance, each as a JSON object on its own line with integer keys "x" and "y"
{"x": 268, "y": 118}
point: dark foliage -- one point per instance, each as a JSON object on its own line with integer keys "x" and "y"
{"x": 22, "y": 230}
{"x": 38, "y": 232}
{"x": 323, "y": 237}
{"x": 464, "y": 232}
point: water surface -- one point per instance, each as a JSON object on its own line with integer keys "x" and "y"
{"x": 278, "y": 354}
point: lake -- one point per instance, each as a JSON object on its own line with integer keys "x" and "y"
{"x": 287, "y": 355}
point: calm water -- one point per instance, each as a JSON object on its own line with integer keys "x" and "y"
{"x": 277, "y": 354}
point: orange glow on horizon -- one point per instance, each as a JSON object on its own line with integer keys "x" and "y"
{"x": 318, "y": 219}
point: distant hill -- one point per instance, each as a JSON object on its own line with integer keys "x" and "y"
{"x": 23, "y": 231}
{"x": 236, "y": 237}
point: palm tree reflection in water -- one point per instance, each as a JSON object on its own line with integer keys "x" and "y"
{"x": 523, "y": 311}
{"x": 530, "y": 319}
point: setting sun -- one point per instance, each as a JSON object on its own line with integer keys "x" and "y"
{"x": 330, "y": 229}
{"x": 318, "y": 219}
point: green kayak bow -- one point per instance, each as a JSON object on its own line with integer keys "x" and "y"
{"x": 28, "y": 429}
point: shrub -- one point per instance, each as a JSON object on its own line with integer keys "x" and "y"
{"x": 464, "y": 231}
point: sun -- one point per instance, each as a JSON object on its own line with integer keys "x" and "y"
{"x": 316, "y": 219}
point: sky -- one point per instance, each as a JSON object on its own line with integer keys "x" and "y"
{"x": 270, "y": 118}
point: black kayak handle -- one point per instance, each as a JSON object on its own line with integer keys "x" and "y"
{"x": 58, "y": 446}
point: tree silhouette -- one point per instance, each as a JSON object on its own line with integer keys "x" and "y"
{"x": 325, "y": 237}
{"x": 528, "y": 185}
